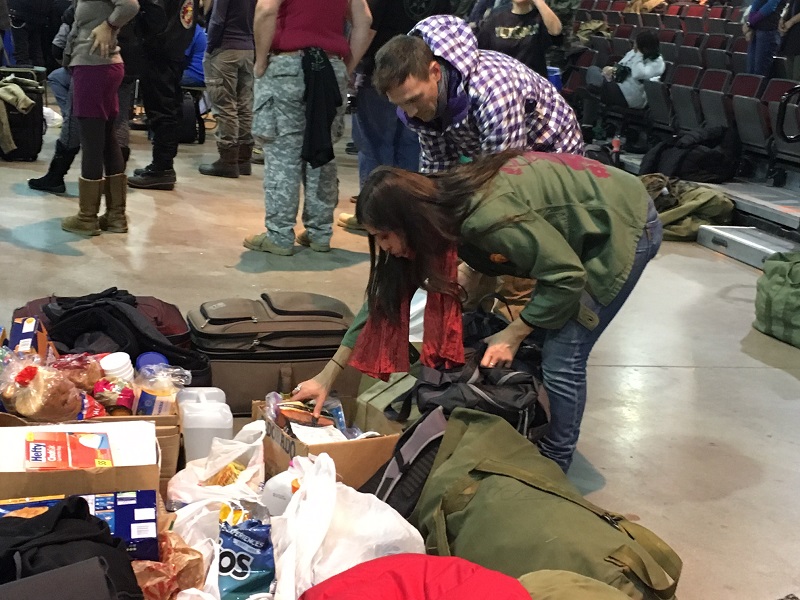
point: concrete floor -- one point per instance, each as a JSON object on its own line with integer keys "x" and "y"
{"x": 692, "y": 420}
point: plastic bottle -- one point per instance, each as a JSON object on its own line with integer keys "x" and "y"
{"x": 278, "y": 492}
{"x": 616, "y": 148}
{"x": 156, "y": 389}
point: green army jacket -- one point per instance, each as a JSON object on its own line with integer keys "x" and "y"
{"x": 568, "y": 222}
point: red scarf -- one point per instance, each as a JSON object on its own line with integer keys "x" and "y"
{"x": 382, "y": 346}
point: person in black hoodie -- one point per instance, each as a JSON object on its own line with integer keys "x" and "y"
{"x": 28, "y": 23}
{"x": 167, "y": 29}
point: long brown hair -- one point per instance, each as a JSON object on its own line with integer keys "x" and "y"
{"x": 427, "y": 211}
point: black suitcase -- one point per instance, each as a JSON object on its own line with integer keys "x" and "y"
{"x": 27, "y": 130}
{"x": 270, "y": 344}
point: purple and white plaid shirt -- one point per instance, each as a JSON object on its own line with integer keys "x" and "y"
{"x": 510, "y": 106}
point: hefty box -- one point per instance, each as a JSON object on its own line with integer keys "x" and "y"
{"x": 29, "y": 336}
{"x": 132, "y": 445}
{"x": 131, "y": 516}
{"x": 356, "y": 460}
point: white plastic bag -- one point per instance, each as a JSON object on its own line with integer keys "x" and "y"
{"x": 329, "y": 527}
{"x": 52, "y": 118}
{"x": 247, "y": 447}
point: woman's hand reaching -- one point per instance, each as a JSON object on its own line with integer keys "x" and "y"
{"x": 312, "y": 390}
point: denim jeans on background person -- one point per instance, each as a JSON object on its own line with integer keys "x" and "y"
{"x": 565, "y": 353}
{"x": 380, "y": 136}
{"x": 60, "y": 82}
{"x": 761, "y": 51}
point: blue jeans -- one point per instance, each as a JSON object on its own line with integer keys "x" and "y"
{"x": 380, "y": 136}
{"x": 60, "y": 82}
{"x": 761, "y": 51}
{"x": 565, "y": 353}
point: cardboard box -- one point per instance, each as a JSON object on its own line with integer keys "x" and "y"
{"x": 356, "y": 460}
{"x": 29, "y": 336}
{"x": 169, "y": 441}
{"x": 133, "y": 448}
{"x": 168, "y": 432}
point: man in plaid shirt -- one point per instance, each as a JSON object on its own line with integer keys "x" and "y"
{"x": 464, "y": 102}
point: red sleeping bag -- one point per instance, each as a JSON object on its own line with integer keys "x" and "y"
{"x": 418, "y": 577}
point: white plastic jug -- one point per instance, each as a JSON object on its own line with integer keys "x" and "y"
{"x": 202, "y": 422}
{"x": 201, "y": 394}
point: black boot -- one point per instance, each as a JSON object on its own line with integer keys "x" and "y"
{"x": 53, "y": 181}
{"x": 227, "y": 165}
{"x": 153, "y": 178}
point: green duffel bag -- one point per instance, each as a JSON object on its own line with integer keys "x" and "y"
{"x": 494, "y": 500}
{"x": 565, "y": 585}
{"x": 778, "y": 298}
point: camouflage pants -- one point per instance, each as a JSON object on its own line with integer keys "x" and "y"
{"x": 229, "y": 81}
{"x": 279, "y": 119}
{"x": 565, "y": 11}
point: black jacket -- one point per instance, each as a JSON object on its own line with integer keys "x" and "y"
{"x": 166, "y": 28}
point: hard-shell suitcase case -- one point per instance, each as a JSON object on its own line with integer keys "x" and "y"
{"x": 27, "y": 130}
{"x": 270, "y": 344}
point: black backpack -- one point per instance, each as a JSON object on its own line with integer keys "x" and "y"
{"x": 400, "y": 481}
{"x": 516, "y": 396}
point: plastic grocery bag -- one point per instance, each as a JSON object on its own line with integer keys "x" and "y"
{"x": 233, "y": 470}
{"x": 329, "y": 527}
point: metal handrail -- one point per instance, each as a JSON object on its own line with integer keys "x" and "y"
{"x": 781, "y": 124}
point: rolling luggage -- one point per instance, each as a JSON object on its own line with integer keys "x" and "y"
{"x": 27, "y": 129}
{"x": 166, "y": 317}
{"x": 270, "y": 344}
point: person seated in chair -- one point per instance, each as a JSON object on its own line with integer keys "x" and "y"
{"x": 193, "y": 75}
{"x": 622, "y": 85}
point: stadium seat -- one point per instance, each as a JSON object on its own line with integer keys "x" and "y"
{"x": 686, "y": 99}
{"x": 694, "y": 10}
{"x": 781, "y": 149}
{"x": 779, "y": 70}
{"x": 651, "y": 20}
{"x": 672, "y": 21}
{"x": 716, "y": 25}
{"x": 718, "y": 12}
{"x": 668, "y": 51}
{"x": 689, "y": 55}
{"x": 716, "y": 105}
{"x": 716, "y": 58}
{"x": 613, "y": 17}
{"x": 632, "y": 19}
{"x": 734, "y": 28}
{"x": 668, "y": 36}
{"x": 752, "y": 116}
{"x": 739, "y": 45}
{"x": 602, "y": 45}
{"x": 662, "y": 115}
{"x": 718, "y": 41}
{"x": 587, "y": 4}
{"x": 739, "y": 62}
{"x": 694, "y": 24}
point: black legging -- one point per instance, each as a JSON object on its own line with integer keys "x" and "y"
{"x": 100, "y": 148}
